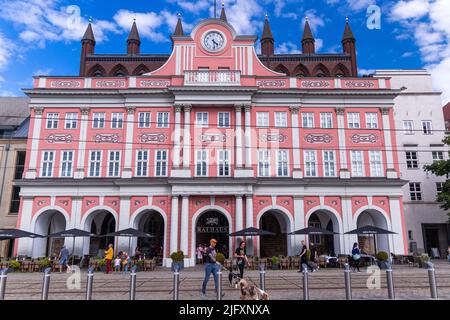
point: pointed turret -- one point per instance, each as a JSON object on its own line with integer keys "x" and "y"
{"x": 349, "y": 46}
{"x": 179, "y": 28}
{"x": 134, "y": 41}
{"x": 308, "y": 41}
{"x": 87, "y": 47}
{"x": 267, "y": 40}
{"x": 223, "y": 15}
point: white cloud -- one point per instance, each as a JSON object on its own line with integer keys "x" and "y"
{"x": 410, "y": 9}
{"x": 352, "y": 5}
{"x": 319, "y": 44}
{"x": 42, "y": 72}
{"x": 279, "y": 6}
{"x": 6, "y": 50}
{"x": 147, "y": 23}
{"x": 288, "y": 48}
{"x": 365, "y": 72}
{"x": 245, "y": 16}
{"x": 315, "y": 21}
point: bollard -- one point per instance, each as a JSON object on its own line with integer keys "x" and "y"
{"x": 3, "y": 278}
{"x": 390, "y": 284}
{"x": 432, "y": 278}
{"x": 90, "y": 283}
{"x": 262, "y": 277}
{"x": 176, "y": 284}
{"x": 133, "y": 283}
{"x": 305, "y": 284}
{"x": 46, "y": 284}
{"x": 219, "y": 284}
{"x": 348, "y": 282}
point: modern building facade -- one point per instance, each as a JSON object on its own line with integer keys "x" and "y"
{"x": 209, "y": 143}
{"x": 420, "y": 130}
{"x": 14, "y": 123}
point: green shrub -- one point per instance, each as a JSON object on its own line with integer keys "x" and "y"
{"x": 13, "y": 264}
{"x": 44, "y": 263}
{"x": 220, "y": 258}
{"x": 101, "y": 262}
{"x": 177, "y": 256}
{"x": 382, "y": 256}
{"x": 275, "y": 260}
{"x": 424, "y": 258}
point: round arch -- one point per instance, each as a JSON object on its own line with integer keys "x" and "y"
{"x": 87, "y": 220}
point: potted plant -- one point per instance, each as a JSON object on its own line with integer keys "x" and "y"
{"x": 177, "y": 260}
{"x": 139, "y": 264}
{"x": 44, "y": 264}
{"x": 383, "y": 260}
{"x": 220, "y": 258}
{"x": 101, "y": 263}
{"x": 424, "y": 260}
{"x": 275, "y": 263}
{"x": 13, "y": 265}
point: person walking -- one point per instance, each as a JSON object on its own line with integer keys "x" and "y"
{"x": 303, "y": 260}
{"x": 356, "y": 257}
{"x": 241, "y": 257}
{"x": 109, "y": 254}
{"x": 211, "y": 266}
{"x": 63, "y": 258}
{"x": 199, "y": 253}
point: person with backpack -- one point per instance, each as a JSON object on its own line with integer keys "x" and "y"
{"x": 303, "y": 259}
{"x": 356, "y": 257}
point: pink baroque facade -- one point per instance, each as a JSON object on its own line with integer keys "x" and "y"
{"x": 210, "y": 143}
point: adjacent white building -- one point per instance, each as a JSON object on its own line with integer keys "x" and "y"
{"x": 420, "y": 130}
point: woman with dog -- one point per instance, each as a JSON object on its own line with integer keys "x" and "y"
{"x": 241, "y": 257}
{"x": 356, "y": 257}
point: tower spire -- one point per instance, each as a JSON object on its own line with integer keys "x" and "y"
{"x": 349, "y": 46}
{"x": 134, "y": 41}
{"x": 308, "y": 41}
{"x": 223, "y": 15}
{"x": 267, "y": 40}
{"x": 87, "y": 47}
{"x": 179, "y": 28}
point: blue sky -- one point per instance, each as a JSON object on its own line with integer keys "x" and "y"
{"x": 43, "y": 36}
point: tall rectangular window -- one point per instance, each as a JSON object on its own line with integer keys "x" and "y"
{"x": 415, "y": 191}
{"x": 408, "y": 127}
{"x": 114, "y": 164}
{"x": 163, "y": 120}
{"x": 281, "y": 119}
{"x": 329, "y": 163}
{"x": 161, "y": 163}
{"x": 376, "y": 164}
{"x": 52, "y": 120}
{"x": 282, "y": 163}
{"x": 262, "y": 119}
{"x": 66, "y": 164}
{"x": 223, "y": 120}
{"x": 411, "y": 160}
{"x": 437, "y": 155}
{"x": 353, "y": 120}
{"x": 98, "y": 120}
{"x": 15, "y": 201}
{"x": 223, "y": 163}
{"x": 439, "y": 187}
{"x": 47, "y": 163}
{"x": 142, "y": 163}
{"x": 144, "y": 120}
{"x": 20, "y": 164}
{"x": 71, "y": 120}
{"x": 264, "y": 163}
{"x": 201, "y": 120}
{"x": 310, "y": 163}
{"x": 326, "y": 120}
{"x": 426, "y": 127}
{"x": 201, "y": 163}
{"x": 371, "y": 120}
{"x": 95, "y": 163}
{"x": 357, "y": 163}
{"x": 308, "y": 120}
{"x": 117, "y": 120}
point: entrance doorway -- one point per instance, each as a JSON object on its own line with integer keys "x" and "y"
{"x": 152, "y": 223}
{"x": 213, "y": 224}
{"x": 273, "y": 245}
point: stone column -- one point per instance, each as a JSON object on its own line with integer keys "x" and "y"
{"x": 122, "y": 243}
{"x": 127, "y": 171}
{"x": 184, "y": 240}
{"x": 348, "y": 224}
{"x": 80, "y": 169}
{"x": 249, "y": 222}
{"x": 344, "y": 169}
{"x": 248, "y": 138}
{"x": 297, "y": 173}
{"x": 238, "y": 132}
{"x": 25, "y": 245}
{"x": 397, "y": 242}
{"x": 36, "y": 136}
{"x": 177, "y": 137}
{"x": 390, "y": 168}
{"x": 299, "y": 223}
{"x": 187, "y": 137}
{"x": 174, "y": 225}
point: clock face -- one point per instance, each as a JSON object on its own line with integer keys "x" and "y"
{"x": 213, "y": 41}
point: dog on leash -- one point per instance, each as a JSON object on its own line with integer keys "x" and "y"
{"x": 251, "y": 292}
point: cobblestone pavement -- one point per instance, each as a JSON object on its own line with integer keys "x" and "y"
{"x": 411, "y": 283}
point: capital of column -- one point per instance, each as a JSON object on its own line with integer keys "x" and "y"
{"x": 294, "y": 109}
{"x": 238, "y": 107}
{"x": 185, "y": 196}
{"x": 85, "y": 111}
{"x": 178, "y": 108}
{"x": 385, "y": 111}
{"x": 131, "y": 110}
{"x": 247, "y": 108}
{"x": 187, "y": 108}
{"x": 340, "y": 111}
{"x": 38, "y": 111}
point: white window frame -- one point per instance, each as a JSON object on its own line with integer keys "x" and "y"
{"x": 310, "y": 161}
{"x": 163, "y": 119}
{"x": 308, "y": 120}
{"x": 114, "y": 164}
{"x": 427, "y": 127}
{"x": 283, "y": 163}
{"x": 98, "y": 120}
{"x": 117, "y": 119}
{"x": 223, "y": 162}
{"x": 437, "y": 155}
{"x": 201, "y": 163}
{"x": 262, "y": 119}
{"x": 414, "y": 161}
{"x": 223, "y": 119}
{"x": 142, "y": 164}
{"x": 439, "y": 185}
{"x": 144, "y": 119}
{"x": 263, "y": 163}
{"x": 97, "y": 163}
{"x": 415, "y": 191}
{"x": 281, "y": 119}
{"x": 66, "y": 170}
{"x": 329, "y": 163}
{"x": 371, "y": 120}
{"x": 408, "y": 127}
{"x": 161, "y": 163}
{"x": 202, "y": 119}
{"x": 71, "y": 121}
{"x": 353, "y": 120}
{"x": 376, "y": 163}
{"x": 47, "y": 164}
{"x": 326, "y": 120}
{"x": 357, "y": 161}
{"x": 52, "y": 120}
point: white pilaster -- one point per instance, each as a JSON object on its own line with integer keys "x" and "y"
{"x": 249, "y": 222}
{"x": 187, "y": 137}
{"x": 248, "y": 138}
{"x": 124, "y": 223}
{"x": 238, "y": 131}
{"x": 239, "y": 213}
{"x": 177, "y": 137}
{"x": 390, "y": 168}
{"x": 174, "y": 225}
{"x": 396, "y": 241}
{"x": 184, "y": 240}
{"x": 37, "y": 124}
{"x": 25, "y": 245}
{"x": 343, "y": 170}
{"x": 297, "y": 173}
{"x": 299, "y": 223}
{"x": 348, "y": 224}
{"x": 76, "y": 223}
{"x": 127, "y": 169}
{"x": 84, "y": 122}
